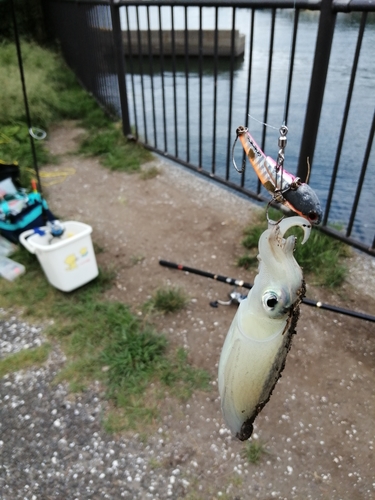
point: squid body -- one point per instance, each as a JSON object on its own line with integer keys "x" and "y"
{"x": 256, "y": 346}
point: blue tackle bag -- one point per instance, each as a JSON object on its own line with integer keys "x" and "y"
{"x": 22, "y": 211}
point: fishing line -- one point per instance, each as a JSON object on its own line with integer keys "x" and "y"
{"x": 262, "y": 123}
{"x": 284, "y": 129}
{"x": 289, "y": 82}
{"x": 291, "y": 63}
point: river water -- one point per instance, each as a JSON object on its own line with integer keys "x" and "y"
{"x": 183, "y": 140}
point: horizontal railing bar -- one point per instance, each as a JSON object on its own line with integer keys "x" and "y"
{"x": 346, "y": 239}
{"x": 337, "y": 6}
{"x": 353, "y": 6}
{"x": 255, "y": 4}
{"x": 221, "y": 180}
{"x": 249, "y": 4}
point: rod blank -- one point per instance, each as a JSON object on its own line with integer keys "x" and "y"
{"x": 244, "y": 284}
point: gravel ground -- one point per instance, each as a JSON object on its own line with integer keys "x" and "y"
{"x": 53, "y": 446}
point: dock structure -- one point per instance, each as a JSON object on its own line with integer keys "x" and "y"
{"x": 169, "y": 42}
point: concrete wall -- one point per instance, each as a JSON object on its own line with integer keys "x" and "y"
{"x": 208, "y": 42}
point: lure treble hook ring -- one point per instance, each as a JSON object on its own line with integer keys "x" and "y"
{"x": 283, "y": 130}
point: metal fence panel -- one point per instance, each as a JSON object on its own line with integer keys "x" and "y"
{"x": 184, "y": 75}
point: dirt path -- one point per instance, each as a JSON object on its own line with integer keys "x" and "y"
{"x": 319, "y": 424}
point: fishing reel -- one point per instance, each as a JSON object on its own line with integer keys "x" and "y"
{"x": 234, "y": 298}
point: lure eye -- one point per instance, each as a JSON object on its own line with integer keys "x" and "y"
{"x": 313, "y": 216}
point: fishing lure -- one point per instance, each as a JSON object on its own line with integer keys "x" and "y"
{"x": 284, "y": 187}
{"x": 256, "y": 346}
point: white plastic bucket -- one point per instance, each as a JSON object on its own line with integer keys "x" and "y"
{"x": 68, "y": 261}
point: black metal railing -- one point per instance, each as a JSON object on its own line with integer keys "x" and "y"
{"x": 183, "y": 75}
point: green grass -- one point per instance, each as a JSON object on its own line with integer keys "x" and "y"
{"x": 54, "y": 95}
{"x": 321, "y": 257}
{"x": 52, "y": 89}
{"x": 252, "y": 235}
{"x": 136, "y": 416}
{"x": 247, "y": 261}
{"x": 24, "y": 359}
{"x": 254, "y": 451}
{"x": 15, "y": 147}
{"x": 114, "y": 150}
{"x": 167, "y": 300}
{"x": 105, "y": 341}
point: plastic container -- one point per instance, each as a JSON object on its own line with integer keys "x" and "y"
{"x": 6, "y": 247}
{"x": 68, "y": 261}
{"x": 10, "y": 269}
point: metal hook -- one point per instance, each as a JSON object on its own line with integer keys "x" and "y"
{"x": 308, "y": 170}
{"x": 270, "y": 221}
{"x": 240, "y": 171}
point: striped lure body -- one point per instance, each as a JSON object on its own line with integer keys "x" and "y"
{"x": 285, "y": 187}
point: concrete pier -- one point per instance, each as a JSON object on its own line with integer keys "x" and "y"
{"x": 224, "y": 45}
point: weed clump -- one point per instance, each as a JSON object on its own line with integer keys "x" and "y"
{"x": 24, "y": 359}
{"x": 114, "y": 150}
{"x": 321, "y": 257}
{"x": 254, "y": 451}
{"x": 168, "y": 300}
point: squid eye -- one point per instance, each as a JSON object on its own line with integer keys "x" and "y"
{"x": 270, "y": 300}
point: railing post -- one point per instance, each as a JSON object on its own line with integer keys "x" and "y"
{"x": 120, "y": 66}
{"x": 317, "y": 85}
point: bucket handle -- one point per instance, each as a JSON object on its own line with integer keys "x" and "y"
{"x": 27, "y": 244}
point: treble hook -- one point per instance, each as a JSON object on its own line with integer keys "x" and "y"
{"x": 240, "y": 171}
{"x": 308, "y": 171}
{"x": 270, "y": 221}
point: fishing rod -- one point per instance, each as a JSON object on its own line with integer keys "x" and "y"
{"x": 55, "y": 228}
{"x": 38, "y": 133}
{"x": 244, "y": 284}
